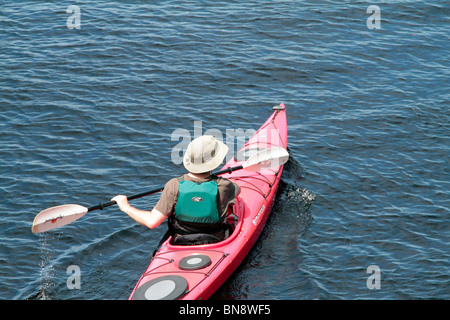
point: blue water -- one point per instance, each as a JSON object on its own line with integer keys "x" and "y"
{"x": 88, "y": 113}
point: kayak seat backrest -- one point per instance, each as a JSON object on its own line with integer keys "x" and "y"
{"x": 195, "y": 239}
{"x": 201, "y": 238}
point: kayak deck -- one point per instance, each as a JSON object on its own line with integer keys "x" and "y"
{"x": 196, "y": 272}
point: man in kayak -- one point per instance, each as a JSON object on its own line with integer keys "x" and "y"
{"x": 197, "y": 203}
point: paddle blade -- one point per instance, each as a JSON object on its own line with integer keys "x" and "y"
{"x": 268, "y": 158}
{"x": 56, "y": 217}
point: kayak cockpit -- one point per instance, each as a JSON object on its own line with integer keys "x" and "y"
{"x": 236, "y": 221}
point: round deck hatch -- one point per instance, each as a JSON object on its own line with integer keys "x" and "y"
{"x": 162, "y": 288}
{"x": 194, "y": 262}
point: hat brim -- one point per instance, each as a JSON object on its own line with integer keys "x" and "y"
{"x": 210, "y": 165}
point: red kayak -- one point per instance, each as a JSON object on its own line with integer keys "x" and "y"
{"x": 196, "y": 272}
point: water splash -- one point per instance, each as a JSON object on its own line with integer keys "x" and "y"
{"x": 302, "y": 196}
{"x": 293, "y": 197}
{"x": 47, "y": 270}
{"x": 295, "y": 202}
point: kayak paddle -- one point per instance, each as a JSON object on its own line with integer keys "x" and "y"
{"x": 59, "y": 216}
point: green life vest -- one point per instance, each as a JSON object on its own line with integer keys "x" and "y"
{"x": 197, "y": 202}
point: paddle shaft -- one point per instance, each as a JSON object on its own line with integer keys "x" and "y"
{"x": 102, "y": 205}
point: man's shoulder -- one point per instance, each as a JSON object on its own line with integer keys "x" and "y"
{"x": 226, "y": 183}
{"x": 173, "y": 183}
{"x": 222, "y": 180}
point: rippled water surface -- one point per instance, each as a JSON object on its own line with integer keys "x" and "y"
{"x": 88, "y": 113}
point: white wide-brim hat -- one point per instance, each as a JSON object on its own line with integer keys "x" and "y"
{"x": 204, "y": 154}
